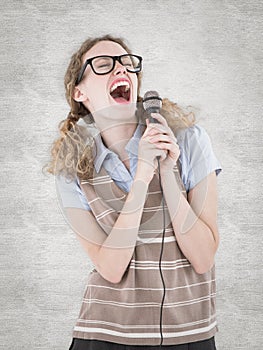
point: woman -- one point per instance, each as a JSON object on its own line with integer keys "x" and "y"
{"x": 117, "y": 175}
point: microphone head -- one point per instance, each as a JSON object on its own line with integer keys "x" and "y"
{"x": 152, "y": 102}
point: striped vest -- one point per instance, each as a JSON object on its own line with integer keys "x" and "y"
{"x": 129, "y": 312}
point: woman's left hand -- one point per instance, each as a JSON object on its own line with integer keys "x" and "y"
{"x": 163, "y": 138}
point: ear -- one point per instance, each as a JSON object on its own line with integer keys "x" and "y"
{"x": 79, "y": 96}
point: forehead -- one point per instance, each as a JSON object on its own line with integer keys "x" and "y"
{"x": 105, "y": 48}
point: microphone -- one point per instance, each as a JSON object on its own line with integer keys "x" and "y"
{"x": 152, "y": 103}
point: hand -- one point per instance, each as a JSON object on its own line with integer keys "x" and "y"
{"x": 147, "y": 156}
{"x": 163, "y": 138}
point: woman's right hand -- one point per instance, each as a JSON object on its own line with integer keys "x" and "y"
{"x": 147, "y": 156}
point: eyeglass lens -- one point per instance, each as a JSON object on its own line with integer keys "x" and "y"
{"x": 104, "y": 64}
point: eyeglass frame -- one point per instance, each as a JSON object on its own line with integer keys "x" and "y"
{"x": 115, "y": 58}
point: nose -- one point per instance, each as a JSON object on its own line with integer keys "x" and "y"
{"x": 119, "y": 68}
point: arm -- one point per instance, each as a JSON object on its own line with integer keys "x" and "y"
{"x": 111, "y": 254}
{"x": 194, "y": 220}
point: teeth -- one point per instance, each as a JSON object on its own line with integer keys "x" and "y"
{"x": 120, "y": 83}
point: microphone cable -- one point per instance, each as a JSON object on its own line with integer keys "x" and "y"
{"x": 152, "y": 103}
{"x": 161, "y": 255}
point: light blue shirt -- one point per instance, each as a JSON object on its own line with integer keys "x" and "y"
{"x": 197, "y": 160}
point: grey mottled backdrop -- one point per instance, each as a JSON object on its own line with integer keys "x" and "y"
{"x": 204, "y": 53}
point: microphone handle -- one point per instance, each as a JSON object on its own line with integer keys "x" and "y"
{"x": 153, "y": 120}
{"x": 153, "y": 110}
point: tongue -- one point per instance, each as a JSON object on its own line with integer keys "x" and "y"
{"x": 120, "y": 95}
{"x": 120, "y": 99}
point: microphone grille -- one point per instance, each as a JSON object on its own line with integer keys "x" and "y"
{"x": 152, "y": 102}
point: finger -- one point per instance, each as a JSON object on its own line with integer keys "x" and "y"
{"x": 155, "y": 129}
{"x": 148, "y": 128}
{"x": 162, "y": 154}
{"x": 160, "y": 138}
{"x": 160, "y": 119}
{"x": 173, "y": 149}
{"x": 159, "y": 128}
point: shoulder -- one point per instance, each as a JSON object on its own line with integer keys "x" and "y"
{"x": 194, "y": 142}
{"x": 196, "y": 155}
{"x": 70, "y": 194}
{"x": 192, "y": 135}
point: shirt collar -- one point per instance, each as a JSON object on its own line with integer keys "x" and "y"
{"x": 101, "y": 152}
{"x": 133, "y": 144}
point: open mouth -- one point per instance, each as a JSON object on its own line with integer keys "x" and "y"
{"x": 120, "y": 91}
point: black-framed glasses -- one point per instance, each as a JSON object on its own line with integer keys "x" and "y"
{"x": 105, "y": 64}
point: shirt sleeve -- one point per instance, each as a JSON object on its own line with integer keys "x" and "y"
{"x": 70, "y": 194}
{"x": 197, "y": 156}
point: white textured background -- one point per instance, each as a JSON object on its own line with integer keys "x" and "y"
{"x": 204, "y": 53}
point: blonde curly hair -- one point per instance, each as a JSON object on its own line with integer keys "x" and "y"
{"x": 72, "y": 153}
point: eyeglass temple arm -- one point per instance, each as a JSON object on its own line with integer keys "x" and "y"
{"x": 79, "y": 78}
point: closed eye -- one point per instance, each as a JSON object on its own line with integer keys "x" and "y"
{"x": 105, "y": 65}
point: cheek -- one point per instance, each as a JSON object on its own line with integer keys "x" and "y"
{"x": 96, "y": 92}
{"x": 135, "y": 87}
{"x": 97, "y": 97}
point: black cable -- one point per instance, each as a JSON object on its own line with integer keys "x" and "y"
{"x": 161, "y": 255}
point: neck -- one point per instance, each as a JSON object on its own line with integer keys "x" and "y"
{"x": 117, "y": 125}
{"x": 117, "y": 137}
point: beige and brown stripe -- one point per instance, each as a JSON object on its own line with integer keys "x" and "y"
{"x": 129, "y": 312}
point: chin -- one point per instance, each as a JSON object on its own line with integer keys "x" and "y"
{"x": 115, "y": 113}
{"x": 124, "y": 111}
